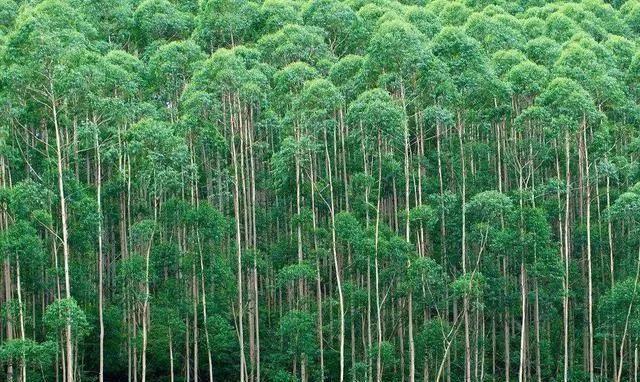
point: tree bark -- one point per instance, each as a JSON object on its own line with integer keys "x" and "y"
{"x": 335, "y": 258}
{"x": 65, "y": 234}
{"x": 565, "y": 304}
{"x": 100, "y": 255}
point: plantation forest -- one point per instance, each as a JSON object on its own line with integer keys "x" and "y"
{"x": 319, "y": 190}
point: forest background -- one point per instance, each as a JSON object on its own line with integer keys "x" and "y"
{"x": 321, "y": 190}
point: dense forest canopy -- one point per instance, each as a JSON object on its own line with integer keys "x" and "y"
{"x": 319, "y": 190}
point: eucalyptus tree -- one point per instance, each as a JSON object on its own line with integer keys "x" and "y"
{"x": 468, "y": 68}
{"x": 275, "y": 14}
{"x": 160, "y": 20}
{"x": 112, "y": 107}
{"x": 395, "y": 51}
{"x": 570, "y": 106}
{"x": 339, "y": 21}
{"x": 238, "y": 88}
{"x": 169, "y": 70}
{"x": 379, "y": 119}
{"x": 159, "y": 162}
{"x": 320, "y": 103}
{"x": 21, "y": 246}
{"x": 293, "y": 43}
{"x": 625, "y": 208}
{"x": 225, "y": 23}
{"x": 44, "y": 52}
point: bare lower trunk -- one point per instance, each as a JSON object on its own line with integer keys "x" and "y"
{"x": 9, "y": 326}
{"x": 204, "y": 312}
{"x": 145, "y": 312}
{"x": 627, "y": 319}
{"x": 335, "y": 258}
{"x": 376, "y": 268}
{"x": 465, "y": 302}
{"x": 100, "y": 257}
{"x": 236, "y": 210}
{"x": 589, "y": 273}
{"x": 171, "y": 375}
{"x": 23, "y": 361}
{"x": 65, "y": 236}
{"x": 536, "y": 323}
{"x": 522, "y": 377}
{"x": 565, "y": 305}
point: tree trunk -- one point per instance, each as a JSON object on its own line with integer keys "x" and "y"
{"x": 23, "y": 362}
{"x": 589, "y": 275}
{"x": 565, "y": 304}
{"x": 412, "y": 347}
{"x": 376, "y": 240}
{"x": 204, "y": 309}
{"x": 335, "y": 258}
{"x": 145, "y": 308}
{"x": 522, "y": 377}
{"x": 100, "y": 255}
{"x": 465, "y": 301}
{"x": 236, "y": 210}
{"x": 65, "y": 234}
{"x": 7, "y": 273}
{"x": 171, "y": 376}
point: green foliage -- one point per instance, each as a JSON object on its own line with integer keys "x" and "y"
{"x": 470, "y": 285}
{"x": 160, "y": 153}
{"x": 378, "y": 115}
{"x": 170, "y": 67}
{"x": 293, "y": 43}
{"x": 63, "y": 312}
{"x": 318, "y": 103}
{"x": 22, "y": 243}
{"x": 36, "y": 356}
{"x": 489, "y": 206}
{"x": 396, "y": 48}
{"x": 296, "y": 272}
{"x": 224, "y": 23}
{"x": 297, "y": 331}
{"x": 568, "y": 103}
{"x": 8, "y": 13}
{"x": 627, "y": 206}
{"x": 160, "y": 20}
{"x": 434, "y": 332}
{"x": 614, "y": 306}
{"x": 337, "y": 18}
{"x": 275, "y": 14}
